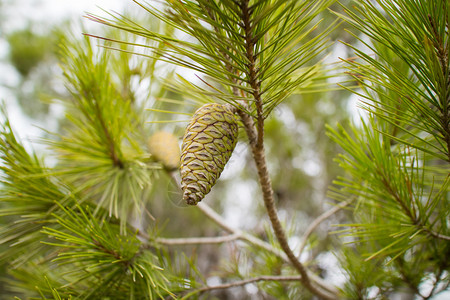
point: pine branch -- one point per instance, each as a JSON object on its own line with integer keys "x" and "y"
{"x": 241, "y": 283}
{"x": 259, "y": 158}
{"x": 198, "y": 240}
{"x": 251, "y": 239}
{"x": 102, "y": 152}
{"x": 259, "y": 154}
{"x": 437, "y": 235}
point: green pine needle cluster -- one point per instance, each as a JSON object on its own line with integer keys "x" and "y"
{"x": 102, "y": 151}
{"x": 109, "y": 262}
{"x": 401, "y": 208}
{"x": 406, "y": 82}
{"x": 28, "y": 199}
{"x": 66, "y": 229}
{"x": 246, "y": 49}
{"x": 54, "y": 242}
{"x": 397, "y": 160}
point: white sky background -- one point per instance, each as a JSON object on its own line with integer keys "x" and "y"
{"x": 42, "y": 14}
{"x": 48, "y": 11}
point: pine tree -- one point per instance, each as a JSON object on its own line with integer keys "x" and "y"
{"x": 85, "y": 220}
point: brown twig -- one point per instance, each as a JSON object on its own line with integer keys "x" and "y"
{"x": 198, "y": 240}
{"x": 317, "y": 222}
{"x": 209, "y": 212}
{"x": 438, "y": 235}
{"x": 241, "y": 283}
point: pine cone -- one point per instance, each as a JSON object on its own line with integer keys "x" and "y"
{"x": 164, "y": 147}
{"x": 208, "y": 142}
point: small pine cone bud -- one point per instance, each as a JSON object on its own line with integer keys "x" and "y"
{"x": 164, "y": 147}
{"x": 208, "y": 142}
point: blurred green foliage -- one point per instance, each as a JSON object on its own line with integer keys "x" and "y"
{"x": 27, "y": 50}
